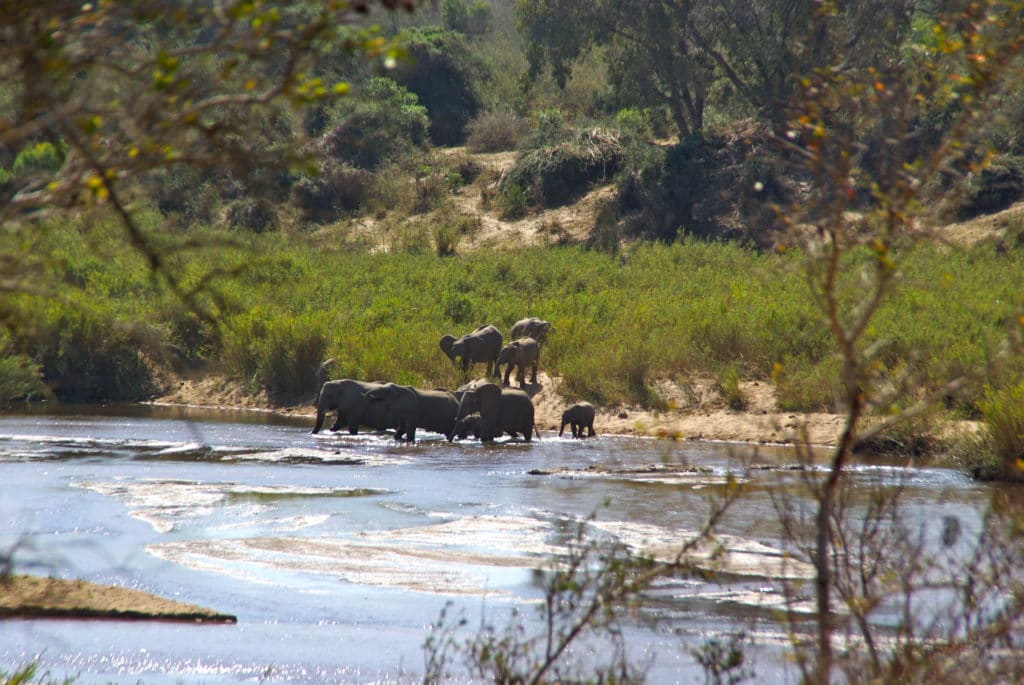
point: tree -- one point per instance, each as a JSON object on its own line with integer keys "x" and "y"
{"x": 671, "y": 53}
{"x": 852, "y": 128}
{"x": 441, "y": 70}
{"x": 122, "y": 91}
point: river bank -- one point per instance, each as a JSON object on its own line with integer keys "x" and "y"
{"x": 696, "y": 411}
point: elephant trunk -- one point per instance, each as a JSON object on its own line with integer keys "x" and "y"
{"x": 319, "y": 421}
{"x": 561, "y": 429}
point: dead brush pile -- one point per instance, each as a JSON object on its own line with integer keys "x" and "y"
{"x": 560, "y": 174}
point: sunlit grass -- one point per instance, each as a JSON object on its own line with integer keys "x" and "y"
{"x": 620, "y": 322}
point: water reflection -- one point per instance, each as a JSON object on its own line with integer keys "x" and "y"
{"x": 238, "y": 511}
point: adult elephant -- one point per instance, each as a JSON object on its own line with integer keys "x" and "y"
{"x": 578, "y": 416}
{"x": 348, "y": 398}
{"x": 431, "y": 410}
{"x": 482, "y": 345}
{"x": 322, "y": 374}
{"x": 520, "y": 354}
{"x": 531, "y": 327}
{"x": 502, "y": 410}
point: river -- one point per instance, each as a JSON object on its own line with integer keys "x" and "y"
{"x": 337, "y": 553}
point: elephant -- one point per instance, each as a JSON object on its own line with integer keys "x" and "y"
{"x": 432, "y": 410}
{"x": 532, "y": 327}
{"x": 348, "y": 398}
{"x": 482, "y": 345}
{"x": 466, "y": 426}
{"x": 519, "y": 353}
{"x": 320, "y": 377}
{"x": 578, "y": 416}
{"x": 502, "y": 410}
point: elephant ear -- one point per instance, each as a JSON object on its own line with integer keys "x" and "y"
{"x": 489, "y": 395}
{"x": 446, "y": 345}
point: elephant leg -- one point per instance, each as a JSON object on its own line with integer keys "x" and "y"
{"x": 508, "y": 371}
{"x": 353, "y": 425}
{"x": 338, "y": 421}
{"x": 577, "y": 430}
{"x": 534, "y": 375}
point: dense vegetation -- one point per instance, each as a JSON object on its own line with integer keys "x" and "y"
{"x": 682, "y": 310}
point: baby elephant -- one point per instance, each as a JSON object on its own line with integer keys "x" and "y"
{"x": 520, "y": 354}
{"x": 466, "y": 426}
{"x": 579, "y": 416}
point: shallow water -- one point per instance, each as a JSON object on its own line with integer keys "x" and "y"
{"x": 338, "y": 552}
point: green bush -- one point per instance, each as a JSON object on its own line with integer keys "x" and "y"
{"x": 256, "y": 215}
{"x": 335, "y": 191}
{"x": 1002, "y": 413}
{"x": 548, "y": 128}
{"x": 20, "y": 377}
{"x": 513, "y": 202}
{"x": 384, "y": 121}
{"x": 88, "y": 355}
{"x": 38, "y": 158}
{"x": 634, "y": 121}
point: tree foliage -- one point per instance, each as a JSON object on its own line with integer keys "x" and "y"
{"x": 102, "y": 95}
{"x": 852, "y": 128}
{"x": 673, "y": 54}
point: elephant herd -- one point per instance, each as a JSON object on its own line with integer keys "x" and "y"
{"x": 482, "y": 408}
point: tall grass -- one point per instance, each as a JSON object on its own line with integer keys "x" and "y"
{"x": 620, "y": 322}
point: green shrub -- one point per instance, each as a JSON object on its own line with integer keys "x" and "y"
{"x": 335, "y": 191}
{"x": 384, "y": 121}
{"x": 548, "y": 128}
{"x": 256, "y": 215}
{"x": 634, "y": 121}
{"x": 278, "y": 352}
{"x": 38, "y": 158}
{"x": 513, "y": 202}
{"x": 20, "y": 378}
{"x": 446, "y": 239}
{"x": 729, "y": 384}
{"x": 804, "y": 387}
{"x": 1002, "y": 413}
{"x": 90, "y": 355}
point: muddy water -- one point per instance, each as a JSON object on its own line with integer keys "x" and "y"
{"x": 336, "y": 553}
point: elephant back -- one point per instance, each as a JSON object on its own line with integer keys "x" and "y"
{"x": 437, "y": 410}
{"x": 517, "y": 412}
{"x": 487, "y": 337}
{"x": 531, "y": 327}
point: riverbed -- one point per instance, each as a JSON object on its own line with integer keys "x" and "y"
{"x": 337, "y": 553}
